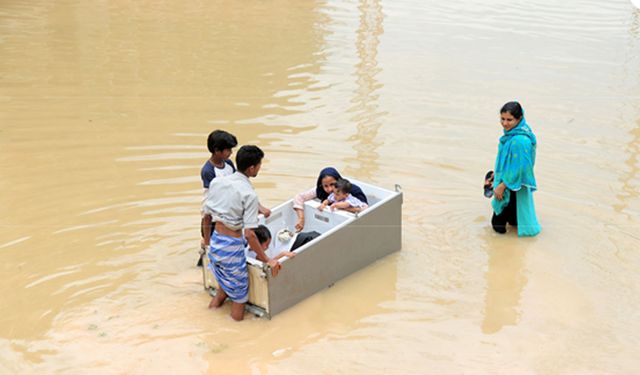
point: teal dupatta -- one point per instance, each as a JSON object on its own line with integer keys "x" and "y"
{"x": 514, "y": 166}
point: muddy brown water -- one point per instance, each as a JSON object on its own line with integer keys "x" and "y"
{"x": 105, "y": 111}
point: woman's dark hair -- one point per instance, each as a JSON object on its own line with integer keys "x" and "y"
{"x": 343, "y": 185}
{"x": 247, "y": 156}
{"x": 262, "y": 233}
{"x": 330, "y": 171}
{"x": 514, "y": 108}
{"x": 220, "y": 140}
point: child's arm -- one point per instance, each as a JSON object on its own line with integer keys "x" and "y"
{"x": 356, "y": 209}
{"x": 340, "y": 205}
{"x": 206, "y": 231}
{"x": 323, "y": 205}
{"x": 283, "y": 254}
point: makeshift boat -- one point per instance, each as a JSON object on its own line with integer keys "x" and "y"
{"x": 347, "y": 243}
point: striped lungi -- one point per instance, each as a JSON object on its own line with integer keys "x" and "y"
{"x": 228, "y": 264}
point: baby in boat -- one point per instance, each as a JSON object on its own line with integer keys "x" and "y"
{"x": 341, "y": 198}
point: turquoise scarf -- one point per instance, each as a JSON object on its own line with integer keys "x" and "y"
{"x": 514, "y": 166}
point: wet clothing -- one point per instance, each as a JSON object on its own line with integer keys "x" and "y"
{"x": 508, "y": 215}
{"x": 514, "y": 167}
{"x": 228, "y": 264}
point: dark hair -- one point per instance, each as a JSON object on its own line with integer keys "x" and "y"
{"x": 514, "y": 108}
{"x": 343, "y": 185}
{"x": 329, "y": 171}
{"x": 262, "y": 233}
{"x": 220, "y": 140}
{"x": 247, "y": 156}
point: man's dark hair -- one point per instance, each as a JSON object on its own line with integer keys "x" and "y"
{"x": 247, "y": 156}
{"x": 514, "y": 108}
{"x": 221, "y": 140}
{"x": 262, "y": 233}
{"x": 343, "y": 185}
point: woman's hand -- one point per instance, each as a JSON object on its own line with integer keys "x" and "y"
{"x": 499, "y": 191}
{"x": 300, "y": 224}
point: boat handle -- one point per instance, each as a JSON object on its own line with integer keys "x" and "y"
{"x": 398, "y": 188}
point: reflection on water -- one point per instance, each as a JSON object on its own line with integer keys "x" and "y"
{"x": 106, "y": 109}
{"x": 366, "y": 113}
{"x": 505, "y": 281}
{"x": 630, "y": 180}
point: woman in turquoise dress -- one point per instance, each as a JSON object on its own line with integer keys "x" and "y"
{"x": 514, "y": 181}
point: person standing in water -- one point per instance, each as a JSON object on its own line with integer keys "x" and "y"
{"x": 513, "y": 179}
{"x": 232, "y": 204}
{"x": 220, "y": 144}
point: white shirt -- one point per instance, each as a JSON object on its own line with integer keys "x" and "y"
{"x": 252, "y": 254}
{"x": 232, "y": 201}
{"x": 275, "y": 248}
{"x": 220, "y": 172}
{"x": 225, "y": 171}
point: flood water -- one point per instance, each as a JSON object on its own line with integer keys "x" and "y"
{"x": 105, "y": 109}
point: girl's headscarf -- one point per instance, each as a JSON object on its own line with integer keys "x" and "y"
{"x": 330, "y": 171}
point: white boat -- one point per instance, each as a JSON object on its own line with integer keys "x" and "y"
{"x": 347, "y": 243}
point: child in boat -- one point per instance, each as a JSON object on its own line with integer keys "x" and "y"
{"x": 264, "y": 237}
{"x": 342, "y": 199}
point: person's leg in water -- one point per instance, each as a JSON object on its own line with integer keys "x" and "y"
{"x": 228, "y": 263}
{"x": 508, "y": 215}
{"x": 218, "y": 300}
{"x": 237, "y": 311}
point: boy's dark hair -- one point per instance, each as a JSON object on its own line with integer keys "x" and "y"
{"x": 514, "y": 108}
{"x": 221, "y": 140}
{"x": 247, "y": 156}
{"x": 263, "y": 233}
{"x": 343, "y": 185}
